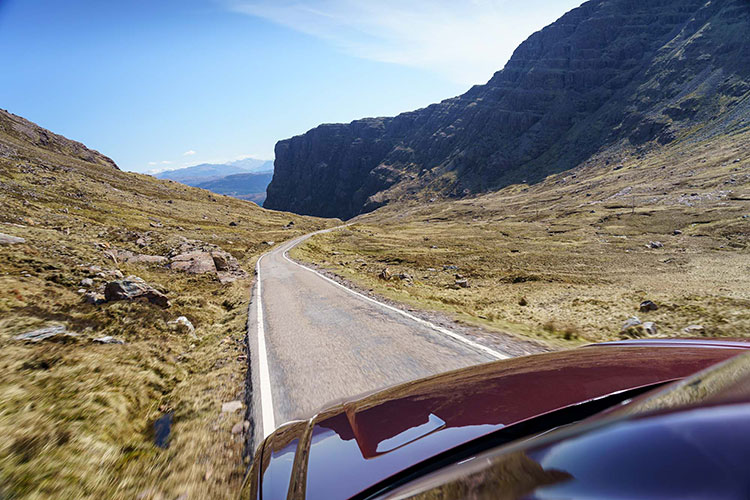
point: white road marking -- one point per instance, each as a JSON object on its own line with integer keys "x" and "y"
{"x": 266, "y": 397}
{"x": 444, "y": 331}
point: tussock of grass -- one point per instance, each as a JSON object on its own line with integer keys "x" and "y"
{"x": 76, "y": 417}
{"x": 566, "y": 261}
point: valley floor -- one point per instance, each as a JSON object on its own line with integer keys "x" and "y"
{"x": 571, "y": 259}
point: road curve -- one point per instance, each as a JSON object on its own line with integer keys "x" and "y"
{"x": 313, "y": 341}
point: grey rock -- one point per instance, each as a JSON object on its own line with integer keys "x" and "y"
{"x": 233, "y": 224}
{"x": 182, "y": 324}
{"x": 193, "y": 263}
{"x": 405, "y": 277}
{"x": 6, "y": 239}
{"x": 108, "y": 340}
{"x": 221, "y": 260}
{"x": 677, "y": 232}
{"x": 450, "y": 267}
{"x": 385, "y": 274}
{"x": 87, "y": 282}
{"x": 134, "y": 288}
{"x": 463, "y": 283}
{"x": 647, "y": 306}
{"x": 650, "y": 328}
{"x": 631, "y": 323}
{"x": 231, "y": 407}
{"x": 695, "y": 330}
{"x": 58, "y": 332}
{"x": 655, "y": 244}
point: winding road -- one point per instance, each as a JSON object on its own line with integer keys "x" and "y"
{"x": 313, "y": 341}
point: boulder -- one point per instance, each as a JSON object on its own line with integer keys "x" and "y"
{"x": 87, "y": 282}
{"x": 655, "y": 244}
{"x": 6, "y": 239}
{"x": 193, "y": 263}
{"x": 462, "y": 283}
{"x": 134, "y": 288}
{"x": 647, "y": 306}
{"x": 385, "y": 274}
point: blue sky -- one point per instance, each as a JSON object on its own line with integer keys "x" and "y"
{"x": 163, "y": 84}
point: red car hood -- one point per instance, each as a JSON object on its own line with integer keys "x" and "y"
{"x": 355, "y": 445}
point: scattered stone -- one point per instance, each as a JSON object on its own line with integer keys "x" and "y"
{"x": 233, "y": 224}
{"x": 647, "y": 306}
{"x": 385, "y": 274}
{"x": 695, "y": 330}
{"x": 677, "y": 232}
{"x": 87, "y": 282}
{"x": 450, "y": 268}
{"x": 141, "y": 242}
{"x": 132, "y": 288}
{"x": 650, "y": 328}
{"x": 619, "y": 167}
{"x": 270, "y": 243}
{"x": 737, "y": 160}
{"x": 238, "y": 428}
{"x": 156, "y": 224}
{"x": 231, "y": 407}
{"x": 404, "y": 277}
{"x": 81, "y": 291}
{"x": 57, "y": 333}
{"x": 6, "y": 239}
{"x": 655, "y": 244}
{"x": 631, "y": 324}
{"x": 462, "y": 283}
{"x": 108, "y": 340}
{"x": 182, "y": 324}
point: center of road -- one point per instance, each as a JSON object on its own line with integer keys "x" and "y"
{"x": 317, "y": 341}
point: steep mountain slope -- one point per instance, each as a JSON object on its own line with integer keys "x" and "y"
{"x": 609, "y": 72}
{"x": 251, "y": 187}
{"x": 78, "y": 409}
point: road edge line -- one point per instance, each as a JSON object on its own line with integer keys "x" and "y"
{"x": 264, "y": 374}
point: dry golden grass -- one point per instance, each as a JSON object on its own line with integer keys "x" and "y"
{"x": 566, "y": 261}
{"x": 77, "y": 417}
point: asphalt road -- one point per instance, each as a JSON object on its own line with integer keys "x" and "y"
{"x": 317, "y": 342}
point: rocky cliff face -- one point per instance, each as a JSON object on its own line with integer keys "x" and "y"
{"x": 609, "y": 71}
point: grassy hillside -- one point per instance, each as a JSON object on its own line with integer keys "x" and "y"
{"x": 77, "y": 417}
{"x": 569, "y": 260}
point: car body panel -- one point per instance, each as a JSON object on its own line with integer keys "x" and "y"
{"x": 690, "y": 439}
{"x": 379, "y": 435}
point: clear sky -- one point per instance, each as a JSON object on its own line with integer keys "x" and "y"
{"x": 161, "y": 84}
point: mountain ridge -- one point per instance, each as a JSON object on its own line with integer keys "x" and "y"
{"x": 607, "y": 73}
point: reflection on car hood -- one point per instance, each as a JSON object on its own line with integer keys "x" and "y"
{"x": 355, "y": 445}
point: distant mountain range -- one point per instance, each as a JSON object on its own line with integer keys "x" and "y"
{"x": 247, "y": 186}
{"x": 246, "y": 179}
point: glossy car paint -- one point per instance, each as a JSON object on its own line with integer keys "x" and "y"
{"x": 688, "y": 440}
{"x": 358, "y": 444}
